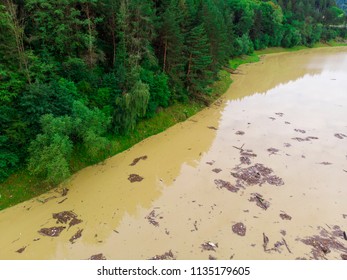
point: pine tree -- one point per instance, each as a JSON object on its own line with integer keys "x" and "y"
{"x": 199, "y": 75}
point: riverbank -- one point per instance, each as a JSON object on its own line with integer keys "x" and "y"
{"x": 21, "y": 186}
{"x": 230, "y": 182}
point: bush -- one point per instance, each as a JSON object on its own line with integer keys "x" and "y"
{"x": 50, "y": 152}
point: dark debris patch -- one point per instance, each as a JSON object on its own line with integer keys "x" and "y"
{"x": 344, "y": 257}
{"x": 65, "y": 216}
{"x": 285, "y": 216}
{"x": 248, "y": 153}
{"x": 212, "y": 127}
{"x": 300, "y": 130}
{"x": 325, "y": 163}
{"x": 212, "y": 258}
{"x": 325, "y": 243}
{"x": 245, "y": 160}
{"x": 21, "y": 250}
{"x": 273, "y": 151}
{"x": 279, "y": 114}
{"x": 210, "y": 162}
{"x": 209, "y": 246}
{"x": 257, "y": 174}
{"x": 226, "y": 185}
{"x": 239, "y": 229}
{"x": 52, "y": 232}
{"x": 77, "y": 235}
{"x": 309, "y": 138}
{"x": 136, "y": 160}
{"x": 135, "y": 178}
{"x": 287, "y": 145}
{"x": 340, "y": 135}
{"x": 97, "y": 257}
{"x": 217, "y": 170}
{"x": 240, "y": 132}
{"x": 151, "y": 217}
{"x": 260, "y": 201}
{"x": 166, "y": 256}
{"x": 272, "y": 118}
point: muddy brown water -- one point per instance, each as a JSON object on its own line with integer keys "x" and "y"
{"x": 292, "y": 111}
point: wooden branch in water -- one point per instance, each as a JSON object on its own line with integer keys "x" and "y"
{"x": 241, "y": 148}
{"x": 285, "y": 243}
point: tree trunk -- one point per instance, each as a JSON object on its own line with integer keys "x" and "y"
{"x": 18, "y": 34}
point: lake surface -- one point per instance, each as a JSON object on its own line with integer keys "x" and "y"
{"x": 260, "y": 174}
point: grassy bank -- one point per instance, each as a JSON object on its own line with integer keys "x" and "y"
{"x": 22, "y": 186}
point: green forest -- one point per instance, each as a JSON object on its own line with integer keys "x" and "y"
{"x": 74, "y": 74}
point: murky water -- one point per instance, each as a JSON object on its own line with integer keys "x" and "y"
{"x": 287, "y": 113}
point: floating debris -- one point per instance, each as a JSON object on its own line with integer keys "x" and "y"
{"x": 166, "y": 256}
{"x": 211, "y": 258}
{"x": 340, "y": 135}
{"x": 77, "y": 235}
{"x": 64, "y": 192}
{"x": 209, "y": 246}
{"x": 245, "y": 160}
{"x": 325, "y": 163}
{"x": 273, "y": 151}
{"x": 344, "y": 256}
{"x": 272, "y": 118}
{"x": 21, "y": 250}
{"x": 212, "y": 127}
{"x": 210, "y": 162}
{"x": 285, "y": 216}
{"x": 300, "y": 130}
{"x": 136, "y": 160}
{"x": 53, "y": 231}
{"x": 344, "y": 216}
{"x": 46, "y": 199}
{"x": 135, "y": 178}
{"x": 265, "y": 242}
{"x": 257, "y": 174}
{"x": 151, "y": 217}
{"x": 279, "y": 114}
{"x": 239, "y": 229}
{"x": 239, "y": 132}
{"x": 287, "y": 122}
{"x": 248, "y": 153}
{"x": 260, "y": 201}
{"x": 217, "y": 170}
{"x": 275, "y": 180}
{"x": 287, "y": 145}
{"x": 196, "y": 225}
{"x": 224, "y": 184}
{"x": 97, "y": 257}
{"x": 283, "y": 232}
{"x": 66, "y": 216}
{"x": 326, "y": 242}
{"x": 299, "y": 139}
{"x": 60, "y": 202}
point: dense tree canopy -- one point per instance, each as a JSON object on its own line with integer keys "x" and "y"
{"x": 73, "y": 71}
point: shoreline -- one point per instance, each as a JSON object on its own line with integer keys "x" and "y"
{"x": 31, "y": 187}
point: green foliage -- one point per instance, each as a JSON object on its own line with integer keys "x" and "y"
{"x": 54, "y": 98}
{"x": 158, "y": 89}
{"x": 199, "y": 75}
{"x": 73, "y": 71}
{"x": 130, "y": 106}
{"x": 8, "y": 159}
{"x": 50, "y": 151}
{"x": 88, "y": 128}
